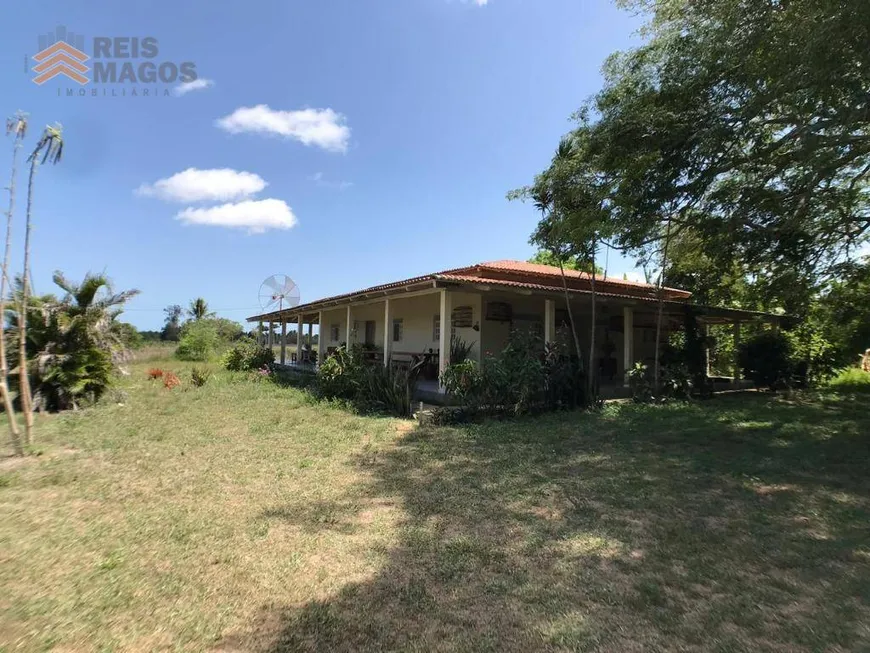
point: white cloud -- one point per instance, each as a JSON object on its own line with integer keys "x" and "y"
{"x": 481, "y": 3}
{"x": 319, "y": 179}
{"x": 321, "y": 127}
{"x": 257, "y": 216}
{"x": 196, "y": 85}
{"x": 194, "y": 185}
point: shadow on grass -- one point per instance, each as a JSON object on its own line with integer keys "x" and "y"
{"x": 737, "y": 524}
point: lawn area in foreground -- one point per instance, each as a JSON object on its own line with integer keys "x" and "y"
{"x": 243, "y": 517}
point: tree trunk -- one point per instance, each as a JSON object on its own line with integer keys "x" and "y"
{"x": 14, "y": 433}
{"x": 24, "y": 382}
{"x": 592, "y": 366}
{"x": 661, "y": 310}
{"x": 570, "y": 312}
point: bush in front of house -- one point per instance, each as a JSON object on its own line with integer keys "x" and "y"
{"x": 369, "y": 387}
{"x": 526, "y": 376}
{"x": 247, "y": 355}
{"x": 766, "y": 359}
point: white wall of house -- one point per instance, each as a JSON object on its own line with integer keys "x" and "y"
{"x": 418, "y": 315}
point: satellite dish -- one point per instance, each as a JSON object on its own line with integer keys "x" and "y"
{"x": 278, "y": 292}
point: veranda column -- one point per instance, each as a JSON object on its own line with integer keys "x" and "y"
{"x": 707, "y": 361}
{"x": 388, "y": 328}
{"x": 627, "y": 340}
{"x": 261, "y": 335}
{"x": 283, "y": 341}
{"x": 321, "y": 339}
{"x": 349, "y": 325}
{"x": 736, "y": 350}
{"x": 549, "y": 321}
{"x": 299, "y": 340}
{"x": 271, "y": 333}
{"x": 444, "y": 339}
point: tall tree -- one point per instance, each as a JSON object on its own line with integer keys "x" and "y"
{"x": 49, "y": 148}
{"x": 199, "y": 309}
{"x": 172, "y": 322}
{"x": 17, "y": 126}
{"x": 575, "y": 219}
{"x": 745, "y": 123}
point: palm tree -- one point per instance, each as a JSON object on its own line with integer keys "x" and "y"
{"x": 199, "y": 309}
{"x": 17, "y": 126}
{"x": 50, "y": 147}
{"x": 77, "y": 342}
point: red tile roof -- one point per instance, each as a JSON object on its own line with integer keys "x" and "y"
{"x": 508, "y": 273}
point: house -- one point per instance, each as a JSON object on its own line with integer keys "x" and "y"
{"x": 403, "y": 319}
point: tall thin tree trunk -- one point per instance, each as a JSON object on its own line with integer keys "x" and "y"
{"x": 592, "y": 366}
{"x": 661, "y": 310}
{"x": 570, "y": 312}
{"x": 14, "y": 433}
{"x": 26, "y": 397}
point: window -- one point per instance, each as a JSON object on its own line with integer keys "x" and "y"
{"x": 436, "y": 328}
{"x": 370, "y": 332}
{"x": 333, "y": 332}
{"x": 398, "y": 328}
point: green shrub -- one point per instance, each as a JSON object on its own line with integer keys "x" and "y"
{"x": 525, "y": 377}
{"x": 369, "y": 387}
{"x": 852, "y": 379}
{"x": 766, "y": 359}
{"x": 247, "y": 355}
{"x": 199, "y": 341}
{"x": 338, "y": 377}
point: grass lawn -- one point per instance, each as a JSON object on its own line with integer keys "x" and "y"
{"x": 242, "y": 517}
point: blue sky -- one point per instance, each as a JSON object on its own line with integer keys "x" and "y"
{"x": 387, "y": 132}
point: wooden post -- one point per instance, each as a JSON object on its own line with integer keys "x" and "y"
{"x": 627, "y": 341}
{"x": 736, "y": 350}
{"x": 283, "y": 341}
{"x": 349, "y": 327}
{"x": 549, "y": 321}
{"x": 444, "y": 340}
{"x": 707, "y": 348}
{"x": 321, "y": 340}
{"x": 299, "y": 340}
{"x": 261, "y": 335}
{"x": 271, "y": 333}
{"x": 388, "y": 331}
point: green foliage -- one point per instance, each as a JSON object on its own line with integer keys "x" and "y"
{"x": 767, "y": 359}
{"x": 203, "y": 339}
{"x": 199, "y": 341}
{"x": 544, "y": 257}
{"x": 370, "y": 387}
{"x": 248, "y": 355}
{"x": 338, "y": 376}
{"x": 641, "y": 383}
{"x": 852, "y": 379}
{"x": 150, "y": 336}
{"x": 73, "y": 344}
{"x": 198, "y": 309}
{"x": 227, "y": 330}
{"x": 460, "y": 350}
{"x": 199, "y": 376}
{"x": 738, "y": 133}
{"x": 129, "y": 335}
{"x": 525, "y": 377}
